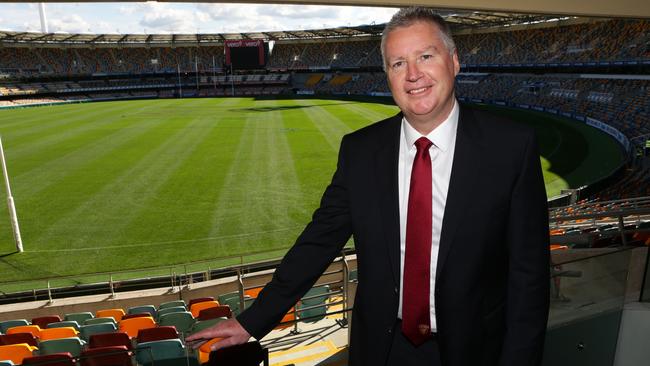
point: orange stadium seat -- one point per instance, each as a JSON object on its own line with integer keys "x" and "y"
{"x": 16, "y": 352}
{"x": 195, "y": 309}
{"x": 133, "y": 325}
{"x": 56, "y": 333}
{"x": 116, "y": 314}
{"x": 35, "y": 330}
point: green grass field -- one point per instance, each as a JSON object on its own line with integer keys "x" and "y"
{"x": 113, "y": 186}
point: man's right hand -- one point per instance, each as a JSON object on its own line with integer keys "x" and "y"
{"x": 230, "y": 332}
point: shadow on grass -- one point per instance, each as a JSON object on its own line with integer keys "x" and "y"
{"x": 8, "y": 254}
{"x": 282, "y": 108}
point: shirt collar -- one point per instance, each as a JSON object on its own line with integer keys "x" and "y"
{"x": 442, "y": 136}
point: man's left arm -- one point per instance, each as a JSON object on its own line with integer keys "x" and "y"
{"x": 528, "y": 264}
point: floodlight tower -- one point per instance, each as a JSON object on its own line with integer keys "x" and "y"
{"x": 41, "y": 12}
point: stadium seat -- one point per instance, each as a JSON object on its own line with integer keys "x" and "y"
{"x": 133, "y": 325}
{"x": 4, "y": 325}
{"x": 43, "y": 321}
{"x": 182, "y": 321}
{"x": 72, "y": 345}
{"x": 198, "y": 300}
{"x": 65, "y": 323}
{"x": 205, "y": 350}
{"x": 139, "y": 315}
{"x": 90, "y": 329}
{"x": 203, "y": 324}
{"x": 107, "y": 319}
{"x": 314, "y": 300}
{"x": 6, "y": 363}
{"x": 220, "y": 311}
{"x": 232, "y": 300}
{"x": 79, "y": 317}
{"x": 196, "y": 308}
{"x": 175, "y": 309}
{"x": 106, "y": 356}
{"x": 16, "y": 352}
{"x": 110, "y": 339}
{"x": 152, "y": 352}
{"x": 156, "y": 334}
{"x": 56, "y": 333}
{"x": 172, "y": 304}
{"x": 223, "y": 298}
{"x": 57, "y": 359}
{"x": 253, "y": 292}
{"x": 17, "y": 338}
{"x": 35, "y": 330}
{"x": 142, "y": 309}
{"x": 116, "y": 314}
{"x": 247, "y": 354}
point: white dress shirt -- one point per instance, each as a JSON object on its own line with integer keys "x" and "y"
{"x": 443, "y": 138}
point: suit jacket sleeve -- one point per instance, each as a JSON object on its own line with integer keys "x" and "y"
{"x": 527, "y": 238}
{"x": 320, "y": 242}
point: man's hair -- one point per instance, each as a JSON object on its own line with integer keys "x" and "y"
{"x": 408, "y": 16}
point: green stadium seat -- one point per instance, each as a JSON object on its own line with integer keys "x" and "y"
{"x": 65, "y": 323}
{"x": 4, "y": 325}
{"x": 79, "y": 317}
{"x": 182, "y": 321}
{"x": 316, "y": 296}
{"x": 6, "y": 363}
{"x": 107, "y": 319}
{"x": 203, "y": 324}
{"x": 175, "y": 309}
{"x": 152, "y": 352}
{"x": 90, "y": 329}
{"x": 172, "y": 304}
{"x": 142, "y": 309}
{"x": 72, "y": 345}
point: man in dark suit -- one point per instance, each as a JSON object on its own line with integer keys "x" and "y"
{"x": 448, "y": 211}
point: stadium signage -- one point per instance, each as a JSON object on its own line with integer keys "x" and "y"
{"x": 242, "y": 43}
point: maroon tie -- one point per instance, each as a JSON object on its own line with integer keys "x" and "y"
{"x": 417, "y": 260}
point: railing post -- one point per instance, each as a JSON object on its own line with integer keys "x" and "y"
{"x": 171, "y": 278}
{"x": 240, "y": 284}
{"x": 208, "y": 276}
{"x": 188, "y": 280}
{"x": 110, "y": 284}
{"x": 621, "y": 228}
{"x": 345, "y": 271}
{"x": 49, "y": 293}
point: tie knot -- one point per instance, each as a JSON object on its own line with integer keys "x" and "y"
{"x": 423, "y": 144}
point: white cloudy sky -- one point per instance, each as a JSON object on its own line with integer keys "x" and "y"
{"x": 154, "y": 17}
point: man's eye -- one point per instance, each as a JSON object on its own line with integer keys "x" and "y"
{"x": 426, "y": 57}
{"x": 397, "y": 64}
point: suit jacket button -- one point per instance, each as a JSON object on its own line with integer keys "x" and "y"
{"x": 396, "y": 291}
{"x": 390, "y": 330}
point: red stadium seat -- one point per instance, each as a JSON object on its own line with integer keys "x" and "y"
{"x": 156, "y": 334}
{"x": 43, "y": 321}
{"x": 110, "y": 339}
{"x": 55, "y": 359}
{"x": 106, "y": 356}
{"x": 215, "y": 312}
{"x": 17, "y": 338}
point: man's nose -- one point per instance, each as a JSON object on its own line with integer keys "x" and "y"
{"x": 413, "y": 71}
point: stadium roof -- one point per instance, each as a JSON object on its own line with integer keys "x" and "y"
{"x": 458, "y": 21}
{"x": 594, "y": 8}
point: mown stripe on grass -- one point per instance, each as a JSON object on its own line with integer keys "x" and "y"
{"x": 111, "y": 184}
{"x": 331, "y": 127}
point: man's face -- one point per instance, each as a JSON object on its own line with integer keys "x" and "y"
{"x": 421, "y": 73}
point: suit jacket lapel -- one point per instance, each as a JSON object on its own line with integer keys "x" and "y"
{"x": 466, "y": 157}
{"x": 386, "y": 164}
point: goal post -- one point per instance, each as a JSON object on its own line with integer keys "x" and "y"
{"x": 10, "y": 202}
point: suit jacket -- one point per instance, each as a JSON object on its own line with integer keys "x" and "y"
{"x": 492, "y": 277}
